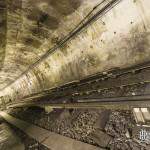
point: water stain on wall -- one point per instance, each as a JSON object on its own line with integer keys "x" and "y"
{"x": 31, "y": 42}
{"x": 48, "y": 21}
{"x": 39, "y": 32}
{"x": 139, "y": 42}
{"x": 3, "y": 30}
{"x": 65, "y": 7}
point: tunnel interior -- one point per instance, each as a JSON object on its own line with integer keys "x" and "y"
{"x": 75, "y": 72}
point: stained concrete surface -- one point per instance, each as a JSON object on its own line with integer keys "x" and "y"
{"x": 3, "y": 31}
{"x": 119, "y": 39}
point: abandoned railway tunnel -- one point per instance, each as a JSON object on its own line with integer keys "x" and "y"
{"x": 74, "y": 74}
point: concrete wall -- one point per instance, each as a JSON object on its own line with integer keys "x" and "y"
{"x": 3, "y": 29}
{"x": 120, "y": 38}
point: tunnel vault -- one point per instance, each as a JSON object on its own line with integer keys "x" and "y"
{"x": 117, "y": 38}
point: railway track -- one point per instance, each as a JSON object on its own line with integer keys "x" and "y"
{"x": 49, "y": 139}
{"x": 97, "y": 91}
{"x": 126, "y": 103}
{"x": 96, "y": 78}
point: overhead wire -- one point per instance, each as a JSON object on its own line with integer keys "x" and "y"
{"x": 80, "y": 26}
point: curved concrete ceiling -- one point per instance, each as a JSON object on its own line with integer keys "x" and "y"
{"x": 119, "y": 39}
{"x": 32, "y": 28}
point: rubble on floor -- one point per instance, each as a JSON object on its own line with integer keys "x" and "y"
{"x": 92, "y": 126}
